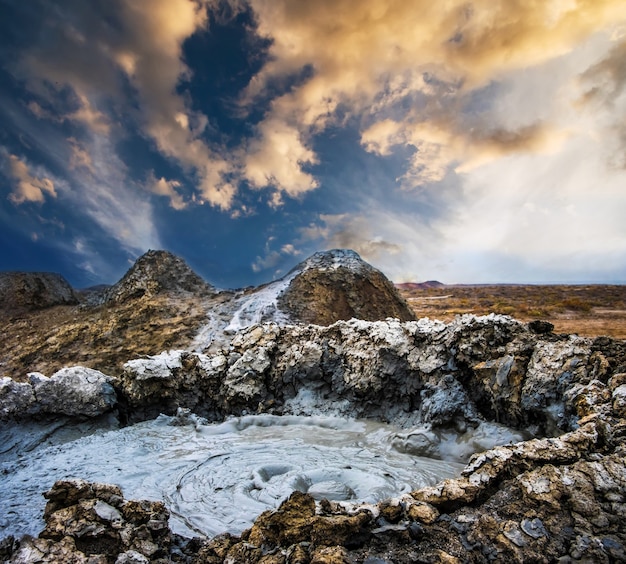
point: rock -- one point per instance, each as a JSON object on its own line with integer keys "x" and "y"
{"x": 92, "y": 523}
{"x": 338, "y": 284}
{"x": 553, "y": 367}
{"x": 156, "y": 272}
{"x": 619, "y": 400}
{"x": 422, "y": 374}
{"x": 423, "y": 512}
{"x": 295, "y": 522}
{"x": 16, "y": 398}
{"x": 541, "y": 327}
{"x": 73, "y": 391}
{"x": 391, "y": 511}
{"x": 27, "y": 291}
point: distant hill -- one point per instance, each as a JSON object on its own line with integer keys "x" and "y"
{"x": 420, "y": 285}
{"x": 161, "y": 303}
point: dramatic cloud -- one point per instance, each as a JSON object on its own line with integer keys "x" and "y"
{"x": 348, "y": 232}
{"x": 608, "y": 91}
{"x": 467, "y": 140}
{"x": 437, "y": 145}
{"x": 79, "y": 157}
{"x": 27, "y": 187}
{"x": 152, "y": 59}
{"x": 94, "y": 59}
{"x": 101, "y": 191}
{"x": 408, "y": 68}
{"x": 277, "y": 159}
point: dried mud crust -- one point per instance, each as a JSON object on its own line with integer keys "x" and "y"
{"x": 102, "y": 337}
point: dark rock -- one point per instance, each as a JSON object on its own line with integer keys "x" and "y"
{"x": 338, "y": 284}
{"x": 87, "y": 522}
{"x": 541, "y": 327}
{"x": 156, "y": 272}
{"x": 27, "y": 291}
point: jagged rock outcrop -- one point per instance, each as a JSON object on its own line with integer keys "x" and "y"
{"x": 338, "y": 284}
{"x": 160, "y": 303}
{"x": 156, "y": 272}
{"x": 92, "y": 523}
{"x": 443, "y": 375}
{"x": 545, "y": 499}
{"x": 27, "y": 291}
{"x": 74, "y": 391}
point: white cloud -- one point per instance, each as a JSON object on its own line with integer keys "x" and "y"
{"x": 107, "y": 195}
{"x": 146, "y": 48}
{"x": 27, "y": 186}
{"x": 152, "y": 60}
{"x": 272, "y": 258}
{"x": 169, "y": 189}
{"x": 383, "y": 238}
{"x": 79, "y": 157}
{"x": 418, "y": 61}
{"x": 277, "y": 159}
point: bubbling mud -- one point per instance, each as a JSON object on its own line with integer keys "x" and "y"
{"x": 217, "y": 477}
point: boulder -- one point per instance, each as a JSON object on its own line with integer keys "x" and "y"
{"x": 27, "y": 291}
{"x": 92, "y": 523}
{"x": 74, "y": 391}
{"x": 338, "y": 284}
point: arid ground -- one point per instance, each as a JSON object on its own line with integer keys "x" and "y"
{"x": 588, "y": 310}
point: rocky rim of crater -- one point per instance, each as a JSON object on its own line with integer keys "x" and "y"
{"x": 561, "y": 495}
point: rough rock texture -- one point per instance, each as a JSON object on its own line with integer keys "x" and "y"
{"x": 161, "y": 304}
{"x": 545, "y": 500}
{"x": 75, "y": 391}
{"x": 92, "y": 523}
{"x": 100, "y": 337}
{"x": 26, "y": 291}
{"x": 445, "y": 375}
{"x": 338, "y": 284}
{"x": 156, "y": 272}
{"x": 555, "y": 498}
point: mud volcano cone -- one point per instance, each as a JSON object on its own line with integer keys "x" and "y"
{"x": 339, "y": 285}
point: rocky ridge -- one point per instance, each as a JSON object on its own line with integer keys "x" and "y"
{"x": 160, "y": 303}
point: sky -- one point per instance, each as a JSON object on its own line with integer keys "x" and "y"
{"x": 467, "y": 141}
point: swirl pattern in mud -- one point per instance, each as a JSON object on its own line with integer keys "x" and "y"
{"x": 217, "y": 478}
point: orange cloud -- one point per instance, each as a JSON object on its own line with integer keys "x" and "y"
{"x": 369, "y": 56}
{"x": 168, "y": 188}
{"x": 28, "y": 188}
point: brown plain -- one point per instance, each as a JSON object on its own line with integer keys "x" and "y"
{"x": 587, "y": 310}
